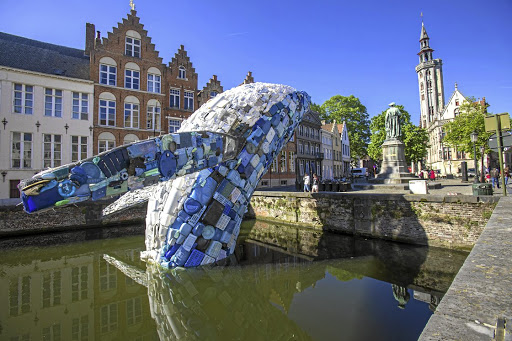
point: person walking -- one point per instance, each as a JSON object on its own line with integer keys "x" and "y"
{"x": 314, "y": 189}
{"x": 306, "y": 182}
{"x": 506, "y": 173}
{"x": 432, "y": 175}
{"x": 495, "y": 177}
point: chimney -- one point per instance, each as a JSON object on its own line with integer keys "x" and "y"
{"x": 98, "y": 38}
{"x": 89, "y": 38}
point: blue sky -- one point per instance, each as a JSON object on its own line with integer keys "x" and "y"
{"x": 362, "y": 48}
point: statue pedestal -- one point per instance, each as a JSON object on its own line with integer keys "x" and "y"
{"x": 394, "y": 168}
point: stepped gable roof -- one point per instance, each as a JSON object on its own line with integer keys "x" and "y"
{"x": 182, "y": 59}
{"x": 32, "y": 55}
{"x": 132, "y": 22}
{"x": 331, "y": 127}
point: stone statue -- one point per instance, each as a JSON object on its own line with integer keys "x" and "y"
{"x": 393, "y": 128}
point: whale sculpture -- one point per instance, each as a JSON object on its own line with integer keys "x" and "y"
{"x": 206, "y": 173}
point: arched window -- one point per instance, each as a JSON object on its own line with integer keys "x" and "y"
{"x": 154, "y": 80}
{"x": 108, "y": 71}
{"x": 132, "y": 44}
{"x": 106, "y": 141}
{"x": 131, "y": 112}
{"x": 182, "y": 73}
{"x": 132, "y": 76}
{"x": 107, "y": 109}
{"x": 130, "y": 138}
{"x": 153, "y": 117}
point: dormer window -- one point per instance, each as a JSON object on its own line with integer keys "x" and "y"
{"x": 132, "y": 44}
{"x": 182, "y": 73}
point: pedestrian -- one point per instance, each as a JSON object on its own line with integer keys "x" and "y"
{"x": 314, "y": 189}
{"x": 420, "y": 174}
{"x": 495, "y": 177}
{"x": 432, "y": 175}
{"x": 506, "y": 173}
{"x": 306, "y": 182}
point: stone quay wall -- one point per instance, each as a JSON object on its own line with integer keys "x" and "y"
{"x": 453, "y": 222}
{"x": 445, "y": 221}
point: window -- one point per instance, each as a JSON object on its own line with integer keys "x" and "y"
{"x": 106, "y": 141}
{"x": 306, "y": 148}
{"x": 301, "y": 130}
{"x": 133, "y": 311}
{"x": 283, "y": 162}
{"x": 79, "y": 283}
{"x": 174, "y": 125}
{"x": 132, "y": 47}
{"x": 153, "y": 83}
{"x": 108, "y": 74}
{"x": 301, "y": 148}
{"x": 52, "y": 333}
{"x": 131, "y": 79}
{"x": 301, "y": 167}
{"x": 292, "y": 161}
{"x": 108, "y": 318}
{"x": 108, "y": 276}
{"x": 447, "y": 153}
{"x": 23, "y": 99}
{"x": 19, "y": 296}
{"x": 80, "y": 328}
{"x": 107, "y": 112}
{"x": 189, "y": 100}
{"x": 53, "y": 102}
{"x": 153, "y": 118}
{"x": 78, "y": 148}
{"x": 213, "y": 94}
{"x": 130, "y": 138}
{"x": 14, "y": 192}
{"x": 131, "y": 115}
{"x": 174, "y": 98}
{"x": 182, "y": 73}
{"x": 51, "y": 289}
{"x": 457, "y": 102}
{"x": 52, "y": 148}
{"x": 21, "y": 153}
{"x": 80, "y": 106}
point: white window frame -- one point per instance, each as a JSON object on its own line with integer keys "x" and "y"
{"x": 131, "y": 116}
{"x": 182, "y": 73}
{"x": 51, "y": 289}
{"x": 52, "y": 102}
{"x": 189, "y": 100}
{"x": 80, "y": 106}
{"x": 79, "y": 283}
{"x": 25, "y": 96}
{"x": 153, "y": 118}
{"x": 284, "y": 162}
{"x": 109, "y": 116}
{"x": 176, "y": 124}
{"x": 132, "y": 79}
{"x": 175, "y": 94}
{"x": 132, "y": 47}
{"x": 109, "y": 318}
{"x": 79, "y": 148}
{"x": 24, "y": 154}
{"x": 54, "y": 150}
{"x": 154, "y": 83}
{"x": 104, "y": 145}
{"x": 108, "y": 76}
{"x": 133, "y": 311}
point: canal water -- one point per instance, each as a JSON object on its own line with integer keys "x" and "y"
{"x": 283, "y": 283}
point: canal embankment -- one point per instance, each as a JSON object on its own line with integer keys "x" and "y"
{"x": 478, "y": 304}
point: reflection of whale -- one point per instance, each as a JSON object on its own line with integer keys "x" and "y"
{"x": 230, "y": 303}
{"x": 213, "y": 164}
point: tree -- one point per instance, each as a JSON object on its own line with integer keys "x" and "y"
{"x": 471, "y": 119}
{"x": 353, "y": 113}
{"x": 317, "y": 108}
{"x": 415, "y": 139}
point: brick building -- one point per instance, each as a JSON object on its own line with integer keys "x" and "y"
{"x": 210, "y": 90}
{"x": 137, "y": 96}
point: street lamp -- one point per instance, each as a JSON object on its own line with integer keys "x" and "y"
{"x": 474, "y": 139}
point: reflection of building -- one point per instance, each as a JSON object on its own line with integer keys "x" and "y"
{"x": 434, "y": 113}
{"x": 46, "y": 106}
{"x": 61, "y": 294}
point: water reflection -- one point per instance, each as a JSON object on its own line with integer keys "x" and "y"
{"x": 283, "y": 283}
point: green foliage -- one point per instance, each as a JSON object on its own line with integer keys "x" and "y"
{"x": 317, "y": 108}
{"x": 353, "y": 113}
{"x": 471, "y": 119}
{"x": 415, "y": 139}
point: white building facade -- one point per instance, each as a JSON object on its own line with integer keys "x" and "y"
{"x": 326, "y": 147}
{"x": 46, "y": 115}
{"x": 345, "y": 150}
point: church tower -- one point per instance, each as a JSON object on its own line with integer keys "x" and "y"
{"x": 430, "y": 82}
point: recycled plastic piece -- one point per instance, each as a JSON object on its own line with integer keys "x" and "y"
{"x": 208, "y": 171}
